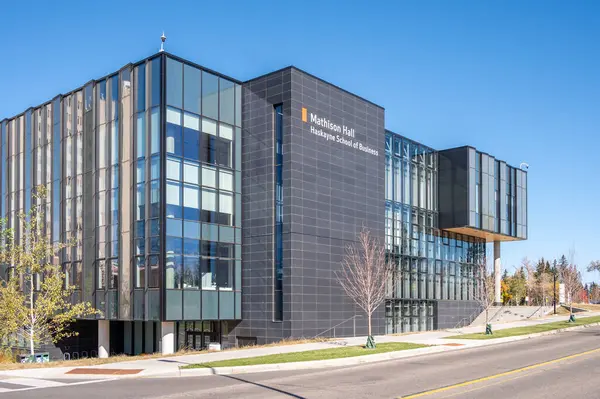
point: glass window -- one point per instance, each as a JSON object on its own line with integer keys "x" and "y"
{"x": 173, "y": 271}
{"x": 191, "y": 272}
{"x": 154, "y": 227}
{"x": 140, "y": 202}
{"x": 210, "y": 232}
{"x": 155, "y": 167}
{"x": 140, "y": 272}
{"x": 209, "y": 205}
{"x": 140, "y": 135}
{"x": 210, "y": 248}
{"x": 225, "y": 274}
{"x": 238, "y": 105}
{"x": 191, "y": 173}
{"x": 210, "y": 95}
{"x": 155, "y": 100}
{"x": 114, "y": 145}
{"x": 101, "y": 274}
{"x": 154, "y": 199}
{"x": 191, "y": 206}
{"x": 174, "y": 83}
{"x": 114, "y": 274}
{"x": 174, "y": 140}
{"x": 226, "y": 131}
{"x": 173, "y": 169}
{"x": 140, "y": 75}
{"x": 225, "y": 208}
{"x": 174, "y": 227}
{"x": 153, "y": 278}
{"x": 191, "y": 229}
{"x": 102, "y": 142}
{"x": 225, "y": 180}
{"x": 173, "y": 200}
{"x": 155, "y": 131}
{"x": 140, "y": 229}
{"x": 208, "y": 270}
{"x": 215, "y": 150}
{"x": 173, "y": 245}
{"x": 227, "y": 101}
{"x": 191, "y": 136}
{"x": 191, "y": 93}
{"x": 209, "y": 126}
{"x": 191, "y": 247}
{"x": 209, "y": 176}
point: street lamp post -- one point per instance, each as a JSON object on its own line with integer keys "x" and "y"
{"x": 554, "y": 290}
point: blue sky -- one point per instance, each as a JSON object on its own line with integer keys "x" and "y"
{"x": 517, "y": 79}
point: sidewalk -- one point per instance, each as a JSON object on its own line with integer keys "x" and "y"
{"x": 169, "y": 366}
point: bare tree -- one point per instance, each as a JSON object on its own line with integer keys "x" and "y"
{"x": 594, "y": 266}
{"x": 484, "y": 292}
{"x": 365, "y": 273}
{"x": 532, "y": 283}
{"x": 571, "y": 278}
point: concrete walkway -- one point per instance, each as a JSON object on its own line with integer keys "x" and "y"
{"x": 169, "y": 366}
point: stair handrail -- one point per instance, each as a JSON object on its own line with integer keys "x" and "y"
{"x": 339, "y": 324}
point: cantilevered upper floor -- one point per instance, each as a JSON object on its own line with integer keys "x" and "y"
{"x": 481, "y": 196}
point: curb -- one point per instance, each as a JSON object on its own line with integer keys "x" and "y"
{"x": 357, "y": 360}
{"x": 314, "y": 364}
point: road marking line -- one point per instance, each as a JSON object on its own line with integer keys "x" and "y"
{"x": 33, "y": 382}
{"x": 495, "y": 376}
{"x": 490, "y": 385}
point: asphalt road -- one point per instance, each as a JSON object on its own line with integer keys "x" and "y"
{"x": 559, "y": 366}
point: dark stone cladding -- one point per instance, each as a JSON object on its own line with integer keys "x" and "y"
{"x": 330, "y": 192}
{"x": 453, "y": 314}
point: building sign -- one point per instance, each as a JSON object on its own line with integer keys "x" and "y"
{"x": 335, "y": 133}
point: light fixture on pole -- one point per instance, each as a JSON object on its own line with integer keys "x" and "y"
{"x": 163, "y": 38}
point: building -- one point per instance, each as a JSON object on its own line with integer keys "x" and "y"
{"x": 206, "y": 209}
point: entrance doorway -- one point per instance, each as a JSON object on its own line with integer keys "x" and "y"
{"x": 199, "y": 334}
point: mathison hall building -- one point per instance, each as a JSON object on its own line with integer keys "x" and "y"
{"x": 207, "y": 209}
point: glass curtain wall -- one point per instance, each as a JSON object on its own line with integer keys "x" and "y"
{"x": 430, "y": 264}
{"x": 202, "y": 194}
{"x": 497, "y": 196}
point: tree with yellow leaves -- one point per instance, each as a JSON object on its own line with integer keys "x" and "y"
{"x": 35, "y": 298}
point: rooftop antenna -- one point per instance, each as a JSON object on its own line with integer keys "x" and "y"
{"x": 163, "y": 38}
{"x": 524, "y": 165}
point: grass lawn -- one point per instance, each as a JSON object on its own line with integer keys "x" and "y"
{"x": 319, "y": 354}
{"x": 7, "y": 362}
{"x": 512, "y": 332}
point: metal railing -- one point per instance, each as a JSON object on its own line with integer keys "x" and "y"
{"x": 353, "y": 318}
{"x": 469, "y": 319}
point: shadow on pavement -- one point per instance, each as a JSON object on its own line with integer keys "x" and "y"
{"x": 264, "y": 386}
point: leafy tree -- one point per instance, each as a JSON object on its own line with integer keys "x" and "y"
{"x": 517, "y": 284}
{"x": 505, "y": 291}
{"x": 35, "y": 299}
{"x": 594, "y": 293}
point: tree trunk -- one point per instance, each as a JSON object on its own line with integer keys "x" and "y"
{"x": 31, "y": 346}
{"x": 31, "y": 318}
{"x": 369, "y": 323}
